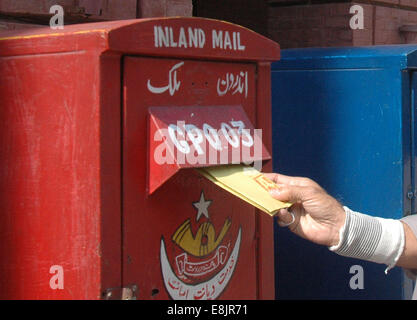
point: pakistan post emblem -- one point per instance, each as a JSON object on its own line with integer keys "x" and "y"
{"x": 201, "y": 262}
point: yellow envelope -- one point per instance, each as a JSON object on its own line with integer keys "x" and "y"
{"x": 247, "y": 183}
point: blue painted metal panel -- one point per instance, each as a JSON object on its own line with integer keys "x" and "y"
{"x": 343, "y": 117}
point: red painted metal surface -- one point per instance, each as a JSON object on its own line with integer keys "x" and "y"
{"x": 73, "y": 166}
{"x": 264, "y": 223}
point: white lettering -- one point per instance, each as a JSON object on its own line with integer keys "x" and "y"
{"x": 240, "y": 125}
{"x": 196, "y": 137}
{"x": 230, "y": 135}
{"x": 57, "y": 280}
{"x": 201, "y": 38}
{"x": 161, "y": 152}
{"x": 206, "y": 290}
{"x": 227, "y": 42}
{"x": 356, "y": 282}
{"x": 181, "y": 145}
{"x": 217, "y": 39}
{"x": 173, "y": 44}
{"x": 234, "y": 41}
{"x": 173, "y": 84}
{"x": 195, "y": 311}
{"x": 57, "y": 20}
{"x": 188, "y": 138}
{"x": 233, "y": 83}
{"x": 239, "y": 45}
{"x": 209, "y": 132}
{"x": 169, "y": 37}
{"x": 163, "y": 37}
{"x": 155, "y": 36}
{"x": 192, "y": 37}
{"x": 182, "y": 42}
{"x": 357, "y": 21}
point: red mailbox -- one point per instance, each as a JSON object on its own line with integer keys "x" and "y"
{"x": 101, "y": 127}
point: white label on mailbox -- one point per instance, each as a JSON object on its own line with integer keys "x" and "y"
{"x": 196, "y": 136}
{"x": 233, "y": 83}
{"x": 207, "y": 145}
{"x": 173, "y": 84}
{"x": 169, "y": 37}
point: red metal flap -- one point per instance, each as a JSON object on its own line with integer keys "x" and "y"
{"x": 191, "y": 137}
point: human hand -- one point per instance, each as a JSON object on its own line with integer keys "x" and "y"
{"x": 318, "y": 217}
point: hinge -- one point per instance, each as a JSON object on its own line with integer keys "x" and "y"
{"x": 410, "y": 194}
{"x": 125, "y": 293}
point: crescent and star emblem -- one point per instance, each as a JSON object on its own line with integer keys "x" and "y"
{"x": 206, "y": 264}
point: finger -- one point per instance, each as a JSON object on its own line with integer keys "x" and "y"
{"x": 289, "y": 217}
{"x": 291, "y": 194}
{"x": 279, "y": 178}
{"x": 285, "y": 218}
{"x": 293, "y": 181}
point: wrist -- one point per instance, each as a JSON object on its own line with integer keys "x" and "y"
{"x": 370, "y": 238}
{"x": 339, "y": 227}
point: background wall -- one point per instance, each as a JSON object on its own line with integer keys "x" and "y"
{"x": 292, "y": 23}
{"x": 17, "y": 14}
{"x": 249, "y": 13}
{"x": 327, "y": 24}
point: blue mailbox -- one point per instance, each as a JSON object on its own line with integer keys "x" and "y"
{"x": 345, "y": 117}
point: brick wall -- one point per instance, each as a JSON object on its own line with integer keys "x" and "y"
{"x": 313, "y": 25}
{"x": 292, "y": 23}
{"x": 164, "y": 8}
{"x": 17, "y": 14}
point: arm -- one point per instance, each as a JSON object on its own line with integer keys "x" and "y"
{"x": 319, "y": 217}
{"x": 408, "y": 258}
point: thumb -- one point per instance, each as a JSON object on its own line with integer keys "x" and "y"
{"x": 287, "y": 193}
